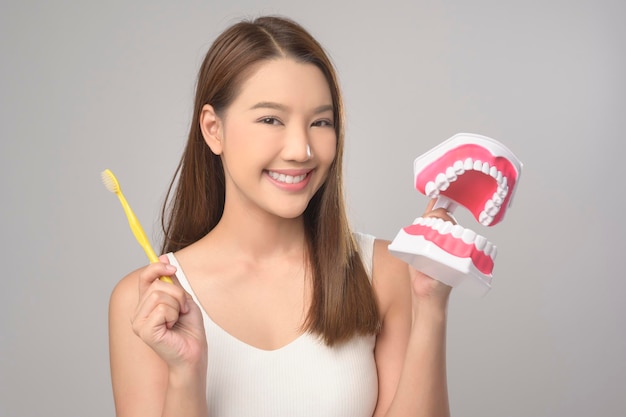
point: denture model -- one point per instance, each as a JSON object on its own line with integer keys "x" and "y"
{"x": 473, "y": 171}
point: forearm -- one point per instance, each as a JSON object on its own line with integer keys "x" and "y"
{"x": 422, "y": 389}
{"x": 186, "y": 394}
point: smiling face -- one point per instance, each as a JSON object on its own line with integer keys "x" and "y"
{"x": 276, "y": 139}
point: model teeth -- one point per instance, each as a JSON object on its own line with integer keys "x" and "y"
{"x": 458, "y": 168}
{"x": 441, "y": 182}
{"x": 480, "y": 242}
{"x": 431, "y": 189}
{"x": 459, "y": 232}
{"x": 492, "y": 206}
{"x": 287, "y": 179}
{"x": 451, "y": 174}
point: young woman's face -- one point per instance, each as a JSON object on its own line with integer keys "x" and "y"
{"x": 278, "y": 138}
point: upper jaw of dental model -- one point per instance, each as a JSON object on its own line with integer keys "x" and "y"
{"x": 474, "y": 171}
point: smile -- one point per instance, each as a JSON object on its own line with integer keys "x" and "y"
{"x": 287, "y": 179}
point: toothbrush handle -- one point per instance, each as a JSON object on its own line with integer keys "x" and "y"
{"x": 140, "y": 235}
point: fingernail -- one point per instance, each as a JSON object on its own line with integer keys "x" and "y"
{"x": 170, "y": 268}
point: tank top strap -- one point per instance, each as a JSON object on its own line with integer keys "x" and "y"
{"x": 365, "y": 244}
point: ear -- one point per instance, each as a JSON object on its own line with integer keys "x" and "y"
{"x": 211, "y": 127}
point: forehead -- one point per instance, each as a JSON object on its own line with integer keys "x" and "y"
{"x": 285, "y": 81}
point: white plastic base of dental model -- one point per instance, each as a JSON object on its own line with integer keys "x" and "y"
{"x": 433, "y": 261}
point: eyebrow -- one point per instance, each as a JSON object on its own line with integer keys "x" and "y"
{"x": 282, "y": 107}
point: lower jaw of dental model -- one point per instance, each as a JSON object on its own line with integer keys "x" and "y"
{"x": 447, "y": 252}
{"x": 477, "y": 173}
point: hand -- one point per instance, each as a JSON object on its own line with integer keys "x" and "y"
{"x": 167, "y": 319}
{"x": 425, "y": 287}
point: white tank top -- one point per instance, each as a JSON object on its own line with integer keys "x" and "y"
{"x": 305, "y": 378}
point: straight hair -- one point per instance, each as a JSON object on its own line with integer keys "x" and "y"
{"x": 343, "y": 301}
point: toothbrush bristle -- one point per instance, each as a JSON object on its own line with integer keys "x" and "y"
{"x": 109, "y": 181}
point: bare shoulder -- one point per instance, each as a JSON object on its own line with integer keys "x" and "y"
{"x": 138, "y": 375}
{"x": 390, "y": 277}
{"x": 125, "y": 293}
{"x": 393, "y": 290}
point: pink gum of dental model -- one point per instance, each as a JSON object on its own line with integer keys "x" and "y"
{"x": 473, "y": 171}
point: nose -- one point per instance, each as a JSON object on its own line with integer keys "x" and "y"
{"x": 297, "y": 146}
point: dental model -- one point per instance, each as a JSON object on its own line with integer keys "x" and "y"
{"x": 478, "y": 173}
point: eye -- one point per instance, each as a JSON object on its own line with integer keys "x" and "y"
{"x": 322, "y": 123}
{"x": 270, "y": 120}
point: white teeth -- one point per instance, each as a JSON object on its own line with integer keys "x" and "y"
{"x": 480, "y": 242}
{"x": 443, "y": 180}
{"x": 450, "y": 174}
{"x": 458, "y": 168}
{"x": 287, "y": 179}
{"x": 468, "y": 236}
{"x": 491, "y": 250}
{"x": 488, "y": 248}
{"x": 431, "y": 190}
{"x": 497, "y": 199}
{"x": 447, "y": 228}
{"x": 485, "y": 219}
{"x": 457, "y": 231}
{"x": 491, "y": 208}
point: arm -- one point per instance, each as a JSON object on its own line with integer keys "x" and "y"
{"x": 411, "y": 348}
{"x": 157, "y": 347}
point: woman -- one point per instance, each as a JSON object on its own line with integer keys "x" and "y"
{"x": 277, "y": 308}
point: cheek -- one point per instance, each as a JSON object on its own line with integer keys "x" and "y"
{"x": 328, "y": 150}
{"x": 241, "y": 139}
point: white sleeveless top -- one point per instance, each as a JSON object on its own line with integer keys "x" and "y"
{"x": 305, "y": 378}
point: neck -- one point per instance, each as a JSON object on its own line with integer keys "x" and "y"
{"x": 259, "y": 235}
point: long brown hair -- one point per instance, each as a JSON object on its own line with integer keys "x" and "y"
{"x": 343, "y": 302}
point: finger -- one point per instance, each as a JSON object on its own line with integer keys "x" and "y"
{"x": 153, "y": 325}
{"x": 186, "y": 296}
{"x": 157, "y": 308}
{"x": 431, "y": 204}
{"x": 441, "y": 213}
{"x": 158, "y": 290}
{"x": 152, "y": 273}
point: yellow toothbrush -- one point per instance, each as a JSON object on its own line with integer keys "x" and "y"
{"x": 111, "y": 183}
